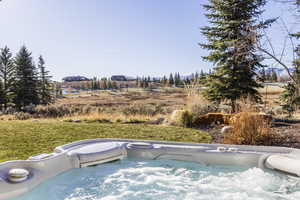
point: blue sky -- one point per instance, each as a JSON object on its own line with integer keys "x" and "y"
{"x": 106, "y": 37}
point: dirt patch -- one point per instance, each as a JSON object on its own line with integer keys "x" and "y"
{"x": 288, "y": 134}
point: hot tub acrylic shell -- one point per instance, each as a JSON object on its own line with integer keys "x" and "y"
{"x": 92, "y": 152}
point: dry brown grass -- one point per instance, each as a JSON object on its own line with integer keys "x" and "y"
{"x": 7, "y": 117}
{"x": 194, "y": 99}
{"x": 249, "y": 129}
{"x": 169, "y": 97}
{"x": 271, "y": 90}
{"x": 271, "y": 94}
{"x": 111, "y": 117}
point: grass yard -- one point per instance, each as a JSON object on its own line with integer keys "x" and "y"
{"x": 21, "y": 139}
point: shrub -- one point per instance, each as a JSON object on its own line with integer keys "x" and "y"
{"x": 250, "y": 129}
{"x": 195, "y": 107}
{"x": 142, "y": 109}
{"x": 22, "y": 116}
{"x": 29, "y": 109}
{"x": 181, "y": 118}
{"x": 56, "y": 110}
{"x": 201, "y": 109}
{"x": 187, "y": 119}
{"x": 199, "y": 106}
{"x": 53, "y": 111}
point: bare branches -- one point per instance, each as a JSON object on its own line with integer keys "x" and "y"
{"x": 278, "y": 61}
{"x": 272, "y": 52}
{"x": 289, "y": 35}
{"x": 269, "y": 41}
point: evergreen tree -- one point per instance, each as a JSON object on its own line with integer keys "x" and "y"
{"x": 26, "y": 85}
{"x": 291, "y": 94}
{"x": 171, "y": 80}
{"x": 202, "y": 75}
{"x": 231, "y": 41}
{"x": 262, "y": 74}
{"x": 44, "y": 83}
{"x": 193, "y": 77}
{"x": 109, "y": 84}
{"x": 196, "y": 78}
{"x": 7, "y": 76}
{"x": 145, "y": 83}
{"x": 177, "y": 79}
{"x": 104, "y": 83}
{"x": 114, "y": 85}
{"x": 164, "y": 81}
{"x": 137, "y": 82}
{"x": 268, "y": 76}
{"x": 2, "y": 97}
{"x": 94, "y": 83}
{"x": 98, "y": 84}
{"x": 57, "y": 89}
{"x": 274, "y": 76}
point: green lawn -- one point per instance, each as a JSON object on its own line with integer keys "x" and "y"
{"x": 21, "y": 139}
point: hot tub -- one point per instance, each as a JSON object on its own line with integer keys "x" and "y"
{"x": 131, "y": 169}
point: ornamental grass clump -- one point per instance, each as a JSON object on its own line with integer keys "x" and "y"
{"x": 250, "y": 128}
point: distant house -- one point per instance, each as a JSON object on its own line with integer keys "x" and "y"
{"x": 75, "y": 78}
{"x": 128, "y": 78}
{"x": 118, "y": 78}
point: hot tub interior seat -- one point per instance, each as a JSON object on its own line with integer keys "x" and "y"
{"x": 98, "y": 153}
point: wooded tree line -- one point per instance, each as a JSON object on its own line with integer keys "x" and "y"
{"x": 174, "y": 80}
{"x": 22, "y": 83}
{"x": 178, "y": 81}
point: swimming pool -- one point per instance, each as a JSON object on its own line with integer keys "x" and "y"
{"x": 136, "y": 179}
{"x": 131, "y": 169}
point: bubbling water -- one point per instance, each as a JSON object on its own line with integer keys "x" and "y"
{"x": 166, "y": 180}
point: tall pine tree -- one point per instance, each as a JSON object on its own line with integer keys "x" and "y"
{"x": 2, "y": 97}
{"x": 44, "y": 83}
{"x": 7, "y": 76}
{"x": 26, "y": 85}
{"x": 274, "y": 76}
{"x": 231, "y": 41}
{"x": 171, "y": 80}
{"x": 291, "y": 95}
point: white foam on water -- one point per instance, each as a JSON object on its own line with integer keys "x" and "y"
{"x": 166, "y": 180}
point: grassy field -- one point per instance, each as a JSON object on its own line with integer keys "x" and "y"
{"x": 271, "y": 94}
{"x": 169, "y": 97}
{"x": 21, "y": 139}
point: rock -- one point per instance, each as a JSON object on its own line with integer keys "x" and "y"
{"x": 278, "y": 110}
{"x": 213, "y": 118}
{"x": 259, "y": 116}
{"x": 176, "y": 114}
{"x": 176, "y": 117}
{"x": 226, "y": 129}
